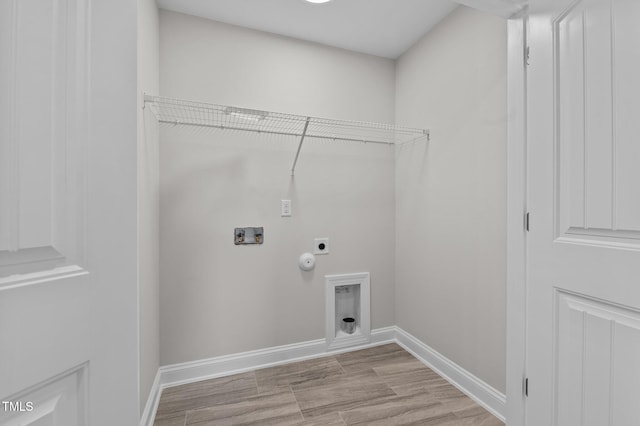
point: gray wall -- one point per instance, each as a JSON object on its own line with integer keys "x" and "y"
{"x": 429, "y": 224}
{"x": 451, "y": 193}
{"x": 148, "y": 203}
{"x": 217, "y": 298}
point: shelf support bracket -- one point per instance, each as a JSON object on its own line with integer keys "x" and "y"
{"x": 304, "y": 133}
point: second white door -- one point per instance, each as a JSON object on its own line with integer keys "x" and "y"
{"x": 583, "y": 284}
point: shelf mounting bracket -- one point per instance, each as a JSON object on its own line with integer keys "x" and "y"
{"x": 304, "y": 133}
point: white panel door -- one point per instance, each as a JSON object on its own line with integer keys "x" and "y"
{"x": 68, "y": 295}
{"x": 583, "y": 280}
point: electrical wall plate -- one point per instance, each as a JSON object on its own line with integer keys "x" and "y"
{"x": 248, "y": 235}
{"x": 321, "y": 246}
{"x": 285, "y": 208}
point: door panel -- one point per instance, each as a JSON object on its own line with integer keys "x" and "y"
{"x": 583, "y": 301}
{"x": 597, "y": 361}
{"x": 68, "y": 290}
{"x": 43, "y": 184}
{"x": 626, "y": 68}
{"x": 597, "y": 197}
{"x": 44, "y": 296}
{"x": 61, "y": 401}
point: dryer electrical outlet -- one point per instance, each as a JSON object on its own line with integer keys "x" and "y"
{"x": 321, "y": 246}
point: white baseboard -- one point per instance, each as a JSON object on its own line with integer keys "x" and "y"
{"x": 149, "y": 413}
{"x": 188, "y": 372}
{"x": 485, "y": 395}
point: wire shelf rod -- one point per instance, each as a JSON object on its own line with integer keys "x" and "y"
{"x": 277, "y": 133}
{"x": 179, "y": 112}
{"x": 304, "y": 132}
{"x": 214, "y": 116}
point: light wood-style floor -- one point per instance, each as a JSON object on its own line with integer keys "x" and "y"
{"x": 384, "y": 385}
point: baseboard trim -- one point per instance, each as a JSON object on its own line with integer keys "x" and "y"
{"x": 485, "y": 395}
{"x": 149, "y": 413}
{"x": 227, "y": 365}
{"x": 178, "y": 374}
{"x": 188, "y": 372}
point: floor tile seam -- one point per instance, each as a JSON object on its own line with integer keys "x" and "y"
{"x": 332, "y": 386}
{"x": 255, "y": 381}
{"x": 398, "y": 415}
{"x": 297, "y": 403}
{"x": 394, "y": 391}
{"x": 393, "y": 382}
{"x": 413, "y": 364}
{"x": 291, "y": 377}
{"x": 384, "y": 381}
{"x": 340, "y": 380}
{"x": 176, "y": 414}
{"x": 177, "y": 398}
{"x": 206, "y": 382}
{"x": 240, "y": 398}
{"x": 344, "y": 422}
{"x": 212, "y": 407}
{"x": 358, "y": 404}
{"x": 184, "y": 417}
{"x": 234, "y": 417}
{"x": 394, "y": 399}
{"x": 389, "y": 378}
{"x": 244, "y": 400}
{"x": 319, "y": 376}
{"x": 340, "y": 364}
{"x": 459, "y": 412}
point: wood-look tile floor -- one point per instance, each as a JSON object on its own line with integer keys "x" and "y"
{"x": 384, "y": 385}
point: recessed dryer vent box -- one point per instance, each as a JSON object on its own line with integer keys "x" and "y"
{"x": 347, "y": 309}
{"x": 250, "y": 235}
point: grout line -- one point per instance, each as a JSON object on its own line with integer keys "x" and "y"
{"x": 341, "y": 413}
{"x": 255, "y": 380}
{"x": 340, "y": 364}
{"x": 297, "y": 403}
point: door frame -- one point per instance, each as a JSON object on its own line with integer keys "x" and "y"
{"x": 516, "y": 14}
{"x": 516, "y": 216}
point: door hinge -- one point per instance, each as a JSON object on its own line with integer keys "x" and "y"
{"x": 526, "y": 221}
{"x": 526, "y": 55}
{"x": 525, "y": 386}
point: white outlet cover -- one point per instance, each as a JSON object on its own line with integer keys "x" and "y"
{"x": 285, "y": 208}
{"x": 316, "y": 246}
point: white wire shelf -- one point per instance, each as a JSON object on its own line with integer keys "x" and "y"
{"x": 224, "y": 117}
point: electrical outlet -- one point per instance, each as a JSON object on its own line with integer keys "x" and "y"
{"x": 321, "y": 246}
{"x": 285, "y": 208}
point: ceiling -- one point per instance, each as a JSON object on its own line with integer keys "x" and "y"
{"x": 385, "y": 28}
